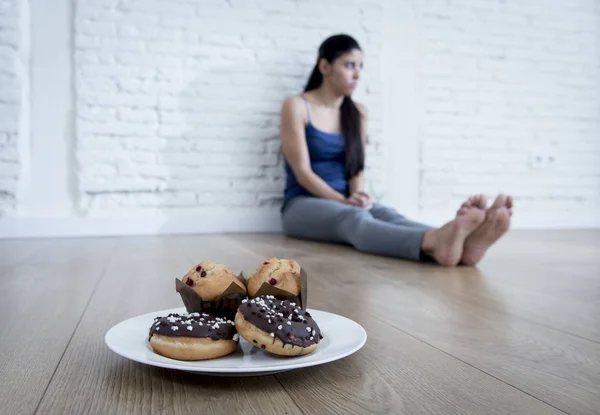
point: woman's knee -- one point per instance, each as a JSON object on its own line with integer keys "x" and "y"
{"x": 383, "y": 210}
{"x": 354, "y": 214}
{"x": 351, "y": 226}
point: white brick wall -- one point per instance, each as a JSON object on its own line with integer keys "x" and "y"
{"x": 511, "y": 93}
{"x": 177, "y": 102}
{"x": 10, "y": 101}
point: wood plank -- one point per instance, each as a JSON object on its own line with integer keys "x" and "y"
{"x": 424, "y": 301}
{"x": 394, "y": 372}
{"x": 557, "y": 368}
{"x": 571, "y": 314}
{"x": 14, "y": 252}
{"x": 41, "y": 302}
{"x": 140, "y": 279}
{"x": 543, "y": 261}
{"x": 550, "y": 277}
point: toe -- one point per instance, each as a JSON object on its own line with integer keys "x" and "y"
{"x": 466, "y": 205}
{"x": 481, "y": 202}
{"x": 499, "y": 202}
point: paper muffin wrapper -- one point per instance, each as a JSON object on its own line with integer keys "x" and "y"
{"x": 268, "y": 289}
{"x": 225, "y": 305}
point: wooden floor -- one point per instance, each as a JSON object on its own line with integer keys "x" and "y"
{"x": 518, "y": 334}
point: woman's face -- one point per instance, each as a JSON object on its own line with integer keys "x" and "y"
{"x": 344, "y": 72}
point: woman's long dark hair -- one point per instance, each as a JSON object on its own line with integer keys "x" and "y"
{"x": 330, "y": 50}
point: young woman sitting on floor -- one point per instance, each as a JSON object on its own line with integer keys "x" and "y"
{"x": 323, "y": 141}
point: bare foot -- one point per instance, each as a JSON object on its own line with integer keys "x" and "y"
{"x": 496, "y": 224}
{"x": 476, "y": 202}
{"x": 445, "y": 244}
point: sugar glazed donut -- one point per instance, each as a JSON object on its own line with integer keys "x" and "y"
{"x": 280, "y": 327}
{"x": 193, "y": 336}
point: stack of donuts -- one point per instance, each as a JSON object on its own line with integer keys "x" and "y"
{"x": 276, "y": 324}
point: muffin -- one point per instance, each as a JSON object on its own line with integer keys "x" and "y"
{"x": 211, "y": 288}
{"x": 209, "y": 280}
{"x": 278, "y": 277}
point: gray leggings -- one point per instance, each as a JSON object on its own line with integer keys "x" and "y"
{"x": 380, "y": 230}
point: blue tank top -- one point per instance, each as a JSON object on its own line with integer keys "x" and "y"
{"x": 327, "y": 153}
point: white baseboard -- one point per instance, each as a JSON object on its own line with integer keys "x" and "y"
{"x": 246, "y": 220}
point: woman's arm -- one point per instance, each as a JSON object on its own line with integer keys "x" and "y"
{"x": 357, "y": 183}
{"x": 293, "y": 146}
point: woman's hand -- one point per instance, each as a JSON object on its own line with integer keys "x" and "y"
{"x": 367, "y": 200}
{"x": 361, "y": 199}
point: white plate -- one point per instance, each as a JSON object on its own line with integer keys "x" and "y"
{"x": 341, "y": 337}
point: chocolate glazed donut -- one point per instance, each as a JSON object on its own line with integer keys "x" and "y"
{"x": 193, "y": 336}
{"x": 280, "y": 327}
